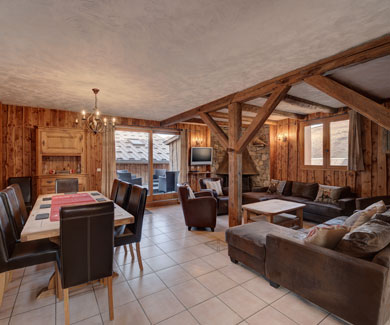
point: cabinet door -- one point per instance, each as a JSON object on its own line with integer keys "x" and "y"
{"x": 62, "y": 142}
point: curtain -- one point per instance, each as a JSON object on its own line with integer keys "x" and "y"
{"x": 183, "y": 156}
{"x": 355, "y": 150}
{"x": 109, "y": 161}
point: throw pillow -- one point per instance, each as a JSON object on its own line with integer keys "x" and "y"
{"x": 366, "y": 240}
{"x": 362, "y": 216}
{"x": 385, "y": 216}
{"x": 328, "y": 194}
{"x": 305, "y": 190}
{"x": 216, "y": 186}
{"x": 276, "y": 187}
{"x": 190, "y": 192}
{"x": 326, "y": 236}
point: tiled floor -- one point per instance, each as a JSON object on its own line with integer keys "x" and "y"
{"x": 187, "y": 279}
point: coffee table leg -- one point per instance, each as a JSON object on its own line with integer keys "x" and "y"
{"x": 245, "y": 216}
{"x": 270, "y": 218}
{"x": 300, "y": 217}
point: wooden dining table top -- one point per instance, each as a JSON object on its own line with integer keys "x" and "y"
{"x": 44, "y": 228}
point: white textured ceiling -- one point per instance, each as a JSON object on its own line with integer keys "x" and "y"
{"x": 154, "y": 59}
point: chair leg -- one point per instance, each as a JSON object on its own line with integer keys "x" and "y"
{"x": 9, "y": 277}
{"x": 137, "y": 246}
{"x": 66, "y": 306}
{"x": 125, "y": 247}
{"x": 59, "y": 292}
{"x": 110, "y": 297}
{"x": 2, "y": 286}
{"x": 131, "y": 252}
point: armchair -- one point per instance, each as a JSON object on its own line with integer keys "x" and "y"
{"x": 222, "y": 200}
{"x": 126, "y": 176}
{"x": 199, "y": 212}
{"x": 168, "y": 183}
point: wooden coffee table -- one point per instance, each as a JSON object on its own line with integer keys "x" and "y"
{"x": 274, "y": 208}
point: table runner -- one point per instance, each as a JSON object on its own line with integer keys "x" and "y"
{"x": 68, "y": 199}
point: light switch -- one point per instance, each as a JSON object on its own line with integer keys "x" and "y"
{"x": 98, "y": 170}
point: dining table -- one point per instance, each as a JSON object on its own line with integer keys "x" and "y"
{"x": 43, "y": 221}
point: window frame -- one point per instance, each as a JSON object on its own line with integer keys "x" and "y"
{"x": 326, "y": 142}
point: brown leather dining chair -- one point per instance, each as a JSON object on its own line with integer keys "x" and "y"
{"x": 67, "y": 185}
{"x": 25, "y": 184}
{"x": 123, "y": 194}
{"x": 15, "y": 255}
{"x": 14, "y": 205}
{"x": 114, "y": 189}
{"x": 86, "y": 248}
{"x": 133, "y": 232}
{"x": 199, "y": 212}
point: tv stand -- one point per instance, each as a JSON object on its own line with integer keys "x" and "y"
{"x": 195, "y": 175}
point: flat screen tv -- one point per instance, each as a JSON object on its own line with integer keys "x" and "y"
{"x": 201, "y": 156}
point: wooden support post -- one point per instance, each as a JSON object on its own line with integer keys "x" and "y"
{"x": 235, "y": 165}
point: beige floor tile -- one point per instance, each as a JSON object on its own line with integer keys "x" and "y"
{"x": 130, "y": 313}
{"x": 160, "y": 262}
{"x": 13, "y": 286}
{"x": 7, "y": 305}
{"x": 145, "y": 242}
{"x": 216, "y": 282}
{"x": 81, "y": 307}
{"x": 44, "y": 267}
{"x": 237, "y": 273}
{"x": 242, "y": 301}
{"x": 201, "y": 250}
{"x": 299, "y": 310}
{"x": 187, "y": 241}
{"x": 161, "y": 305}
{"x": 214, "y": 312}
{"x": 217, "y": 260}
{"x": 197, "y": 267}
{"x": 159, "y": 239}
{"x": 184, "y": 318}
{"x": 262, "y": 289}
{"x": 45, "y": 315}
{"x": 35, "y": 281}
{"x": 26, "y": 301}
{"x": 169, "y": 246}
{"x": 270, "y": 316}
{"x": 182, "y": 255}
{"x": 334, "y": 320}
{"x": 191, "y": 293}
{"x": 132, "y": 271}
{"x": 121, "y": 292}
{"x": 174, "y": 275}
{"x": 146, "y": 285}
{"x": 95, "y": 320}
{"x": 151, "y": 232}
{"x": 5, "y": 321}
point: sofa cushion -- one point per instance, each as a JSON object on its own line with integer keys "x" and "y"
{"x": 287, "y": 188}
{"x": 336, "y": 221}
{"x": 328, "y": 194}
{"x": 215, "y": 186}
{"x": 297, "y": 199}
{"x": 251, "y": 237}
{"x": 252, "y": 197}
{"x": 306, "y": 190}
{"x": 323, "y": 209}
{"x": 326, "y": 236}
{"x": 366, "y": 240}
{"x": 362, "y": 216}
{"x": 276, "y": 187}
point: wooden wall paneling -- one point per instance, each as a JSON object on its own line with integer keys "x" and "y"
{"x": 272, "y": 151}
{"x": 382, "y": 164}
{"x": 284, "y": 148}
{"x": 1, "y": 146}
{"x": 367, "y": 145}
{"x": 292, "y": 149}
{"x": 374, "y": 159}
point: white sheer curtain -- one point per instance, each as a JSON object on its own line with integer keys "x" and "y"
{"x": 108, "y": 161}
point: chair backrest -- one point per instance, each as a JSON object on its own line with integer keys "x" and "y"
{"x": 114, "y": 190}
{"x": 172, "y": 178}
{"x": 7, "y": 240}
{"x": 15, "y": 207}
{"x": 159, "y": 172}
{"x": 121, "y": 171}
{"x": 67, "y": 185}
{"x": 126, "y": 177}
{"x": 136, "y": 207}
{"x": 202, "y": 181}
{"x": 122, "y": 197}
{"x": 86, "y": 241}
{"x": 25, "y": 186}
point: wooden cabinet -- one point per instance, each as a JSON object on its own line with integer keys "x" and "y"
{"x": 62, "y": 150}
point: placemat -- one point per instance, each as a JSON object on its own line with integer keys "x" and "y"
{"x": 59, "y": 201}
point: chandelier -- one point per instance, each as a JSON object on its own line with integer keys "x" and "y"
{"x": 93, "y": 121}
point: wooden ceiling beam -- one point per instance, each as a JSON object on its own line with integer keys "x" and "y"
{"x": 226, "y": 116}
{"x": 214, "y": 127}
{"x": 372, "y": 110}
{"x": 261, "y": 117}
{"x": 368, "y": 51}
{"x": 255, "y": 109}
{"x": 308, "y": 104}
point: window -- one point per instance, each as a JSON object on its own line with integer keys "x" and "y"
{"x": 325, "y": 143}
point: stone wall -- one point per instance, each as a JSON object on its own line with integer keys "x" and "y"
{"x": 259, "y": 154}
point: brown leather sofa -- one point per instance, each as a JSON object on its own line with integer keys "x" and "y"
{"x": 222, "y": 200}
{"x": 199, "y": 212}
{"x": 306, "y": 193}
{"x": 354, "y": 289}
{"x": 364, "y": 202}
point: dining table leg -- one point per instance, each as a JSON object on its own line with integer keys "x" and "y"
{"x": 50, "y": 289}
